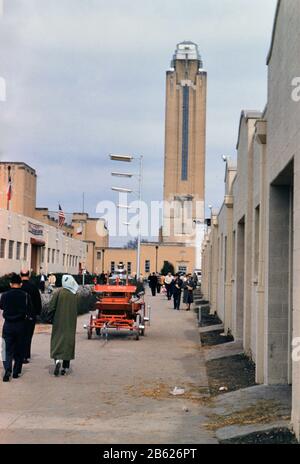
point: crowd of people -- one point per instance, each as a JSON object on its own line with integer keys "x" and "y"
{"x": 21, "y": 306}
{"x": 174, "y": 286}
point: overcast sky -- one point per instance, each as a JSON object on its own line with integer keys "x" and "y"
{"x": 87, "y": 77}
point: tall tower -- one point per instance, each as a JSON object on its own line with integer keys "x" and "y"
{"x": 185, "y": 131}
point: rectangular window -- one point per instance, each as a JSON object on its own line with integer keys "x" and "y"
{"x": 185, "y": 131}
{"x": 25, "y": 252}
{"x": 48, "y": 257}
{"x": 57, "y": 256}
{"x": 43, "y": 255}
{"x": 129, "y": 268}
{"x": 18, "y": 253}
{"x": 182, "y": 269}
{"x": 53, "y": 256}
{"x": 2, "y": 248}
{"x": 11, "y": 249}
{"x": 64, "y": 259}
{"x": 225, "y": 259}
{"x": 98, "y": 255}
{"x": 112, "y": 267}
{"x": 147, "y": 265}
{"x": 257, "y": 241}
{"x": 233, "y": 253}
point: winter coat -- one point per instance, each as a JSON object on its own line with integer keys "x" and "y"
{"x": 65, "y": 305}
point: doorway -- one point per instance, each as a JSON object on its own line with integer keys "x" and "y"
{"x": 280, "y": 279}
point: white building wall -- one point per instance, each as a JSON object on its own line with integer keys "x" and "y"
{"x": 15, "y": 228}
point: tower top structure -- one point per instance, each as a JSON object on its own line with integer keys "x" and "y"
{"x": 187, "y": 51}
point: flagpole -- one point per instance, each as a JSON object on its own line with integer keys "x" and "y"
{"x": 9, "y": 188}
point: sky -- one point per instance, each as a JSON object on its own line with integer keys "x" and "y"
{"x": 85, "y": 78}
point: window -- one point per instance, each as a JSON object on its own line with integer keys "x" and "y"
{"x": 112, "y": 267}
{"x": 98, "y": 255}
{"x": 53, "y": 256}
{"x": 11, "y": 249}
{"x": 2, "y": 248}
{"x": 18, "y": 254}
{"x": 233, "y": 254}
{"x": 147, "y": 265}
{"x": 185, "y": 132}
{"x": 64, "y": 259}
{"x": 182, "y": 268}
{"x": 57, "y": 256}
{"x": 257, "y": 242}
{"x": 25, "y": 252}
{"x": 129, "y": 268}
{"x": 42, "y": 255}
{"x": 48, "y": 257}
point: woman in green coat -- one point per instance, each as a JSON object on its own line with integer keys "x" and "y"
{"x": 64, "y": 305}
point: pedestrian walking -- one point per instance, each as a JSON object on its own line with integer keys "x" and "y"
{"x": 153, "y": 283}
{"x": 16, "y": 306}
{"x": 31, "y": 289}
{"x": 52, "y": 283}
{"x": 64, "y": 305}
{"x": 42, "y": 281}
{"x": 188, "y": 291}
{"x": 169, "y": 279}
{"x": 159, "y": 283}
{"x": 177, "y": 288}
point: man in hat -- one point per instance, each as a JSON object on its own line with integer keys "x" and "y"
{"x": 16, "y": 306}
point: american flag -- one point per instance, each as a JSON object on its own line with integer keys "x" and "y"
{"x": 61, "y": 216}
{"x": 9, "y": 188}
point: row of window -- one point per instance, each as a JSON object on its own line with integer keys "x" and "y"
{"x": 9, "y": 249}
{"x": 129, "y": 266}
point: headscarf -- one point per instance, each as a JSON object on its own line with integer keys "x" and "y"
{"x": 69, "y": 283}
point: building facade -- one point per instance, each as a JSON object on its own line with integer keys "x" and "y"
{"x": 32, "y": 237}
{"x": 257, "y": 275}
{"x": 28, "y": 243}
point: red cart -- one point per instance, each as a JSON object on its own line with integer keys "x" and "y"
{"x": 118, "y": 307}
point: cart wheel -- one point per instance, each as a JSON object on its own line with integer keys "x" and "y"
{"x": 98, "y": 332}
{"x": 89, "y": 334}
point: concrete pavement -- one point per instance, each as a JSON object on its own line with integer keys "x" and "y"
{"x": 118, "y": 392}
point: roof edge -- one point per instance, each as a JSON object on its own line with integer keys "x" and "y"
{"x": 279, "y": 2}
{"x": 247, "y": 114}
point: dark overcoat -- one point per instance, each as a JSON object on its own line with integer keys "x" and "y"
{"x": 65, "y": 305}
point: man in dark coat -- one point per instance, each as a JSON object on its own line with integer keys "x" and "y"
{"x": 17, "y": 307}
{"x": 153, "y": 280}
{"x": 30, "y": 288}
{"x": 177, "y": 288}
{"x": 42, "y": 282}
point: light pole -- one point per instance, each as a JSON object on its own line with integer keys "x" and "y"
{"x": 129, "y": 159}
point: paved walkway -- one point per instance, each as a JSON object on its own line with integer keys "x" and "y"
{"x": 118, "y": 391}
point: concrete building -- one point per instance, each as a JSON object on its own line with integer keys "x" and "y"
{"x": 185, "y": 132}
{"x": 30, "y": 236}
{"x": 258, "y": 242}
{"x": 153, "y": 257}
